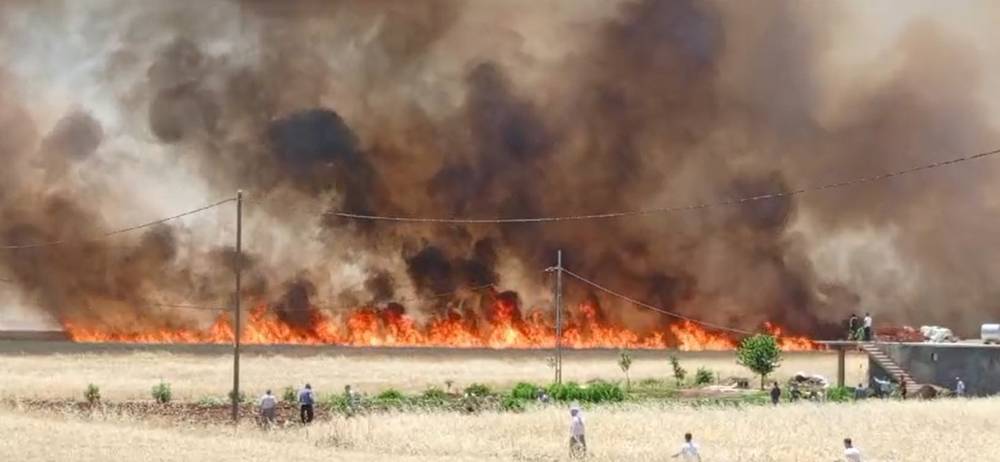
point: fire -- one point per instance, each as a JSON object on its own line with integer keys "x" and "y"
{"x": 502, "y": 326}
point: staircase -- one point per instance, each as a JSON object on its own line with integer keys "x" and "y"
{"x": 890, "y": 366}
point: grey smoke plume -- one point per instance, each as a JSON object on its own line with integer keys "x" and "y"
{"x": 482, "y": 109}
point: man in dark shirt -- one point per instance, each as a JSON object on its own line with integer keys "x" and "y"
{"x": 852, "y": 327}
{"x": 775, "y": 394}
{"x": 306, "y": 400}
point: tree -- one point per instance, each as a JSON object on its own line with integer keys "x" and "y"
{"x": 759, "y": 353}
{"x": 679, "y": 371}
{"x": 625, "y": 362}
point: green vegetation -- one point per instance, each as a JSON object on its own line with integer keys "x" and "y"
{"x": 478, "y": 389}
{"x": 161, "y": 393}
{"x": 759, "y": 353}
{"x": 211, "y": 401}
{"x": 434, "y": 394}
{"x": 839, "y": 394}
{"x": 241, "y": 398}
{"x": 92, "y": 394}
{"x": 525, "y": 391}
{"x": 679, "y": 372}
{"x": 703, "y": 376}
{"x": 390, "y": 394}
{"x": 289, "y": 395}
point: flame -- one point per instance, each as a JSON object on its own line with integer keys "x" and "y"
{"x": 502, "y": 326}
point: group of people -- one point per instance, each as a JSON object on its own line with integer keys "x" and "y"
{"x": 305, "y": 398}
{"x": 859, "y": 329}
{"x": 689, "y": 451}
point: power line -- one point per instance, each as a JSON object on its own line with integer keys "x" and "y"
{"x": 117, "y": 231}
{"x": 704, "y": 205}
{"x": 651, "y": 307}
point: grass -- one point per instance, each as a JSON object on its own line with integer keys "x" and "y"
{"x": 129, "y": 376}
{"x": 884, "y": 430}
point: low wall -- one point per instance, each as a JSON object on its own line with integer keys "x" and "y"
{"x": 939, "y": 364}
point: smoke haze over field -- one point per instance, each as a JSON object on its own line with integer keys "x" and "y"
{"x": 116, "y": 112}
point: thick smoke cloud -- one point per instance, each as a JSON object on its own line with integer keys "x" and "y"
{"x": 428, "y": 109}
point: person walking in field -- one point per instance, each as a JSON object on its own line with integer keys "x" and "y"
{"x": 775, "y": 394}
{"x": 306, "y": 400}
{"x": 689, "y": 450}
{"x": 851, "y": 453}
{"x": 577, "y": 433}
{"x": 868, "y": 327}
{"x": 268, "y": 409}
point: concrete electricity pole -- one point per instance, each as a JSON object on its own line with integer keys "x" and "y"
{"x": 238, "y": 267}
{"x": 558, "y": 301}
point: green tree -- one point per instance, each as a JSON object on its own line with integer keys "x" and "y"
{"x": 625, "y": 363}
{"x": 679, "y": 372}
{"x": 759, "y": 353}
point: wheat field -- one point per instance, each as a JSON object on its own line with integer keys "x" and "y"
{"x": 947, "y": 430}
{"x": 130, "y": 375}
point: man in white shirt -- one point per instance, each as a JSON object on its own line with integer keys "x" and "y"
{"x": 851, "y": 453}
{"x": 577, "y": 430}
{"x": 268, "y": 408}
{"x": 689, "y": 450}
{"x": 868, "y": 327}
{"x": 959, "y": 387}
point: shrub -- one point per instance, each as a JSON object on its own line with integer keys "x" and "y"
{"x": 478, "y": 389}
{"x": 390, "y": 394}
{"x": 161, "y": 393}
{"x": 703, "y": 376}
{"x": 512, "y": 404}
{"x": 601, "y": 392}
{"x": 92, "y": 394}
{"x": 240, "y": 399}
{"x": 289, "y": 395}
{"x": 625, "y": 363}
{"x": 679, "y": 372}
{"x": 434, "y": 394}
{"x": 839, "y": 394}
{"x": 524, "y": 390}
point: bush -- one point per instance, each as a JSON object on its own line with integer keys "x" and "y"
{"x": 839, "y": 394}
{"x": 390, "y": 394}
{"x": 601, "y": 392}
{"x": 524, "y": 390}
{"x": 242, "y": 398}
{"x": 434, "y": 394}
{"x": 512, "y": 404}
{"x": 289, "y": 395}
{"x": 679, "y": 372}
{"x": 478, "y": 389}
{"x": 92, "y": 394}
{"x": 703, "y": 376}
{"x": 161, "y": 393}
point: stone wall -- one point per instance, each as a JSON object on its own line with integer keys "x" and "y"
{"x": 939, "y": 364}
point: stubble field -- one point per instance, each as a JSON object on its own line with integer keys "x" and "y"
{"x": 885, "y": 430}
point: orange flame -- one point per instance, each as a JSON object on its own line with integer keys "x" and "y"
{"x": 502, "y": 327}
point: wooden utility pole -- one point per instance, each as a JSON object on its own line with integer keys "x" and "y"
{"x": 238, "y": 268}
{"x": 558, "y": 302}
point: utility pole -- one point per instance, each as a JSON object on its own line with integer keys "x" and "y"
{"x": 238, "y": 268}
{"x": 558, "y": 302}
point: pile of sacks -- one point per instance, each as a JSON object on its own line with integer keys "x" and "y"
{"x": 807, "y": 386}
{"x": 937, "y": 334}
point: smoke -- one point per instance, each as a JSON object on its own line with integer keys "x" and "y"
{"x": 468, "y": 109}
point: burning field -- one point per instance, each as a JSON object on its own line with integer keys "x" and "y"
{"x": 503, "y": 326}
{"x": 486, "y": 110}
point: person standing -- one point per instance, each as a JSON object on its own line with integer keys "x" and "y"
{"x": 852, "y": 327}
{"x": 577, "y": 433}
{"x": 851, "y": 453}
{"x": 868, "y": 327}
{"x": 959, "y": 387}
{"x": 775, "y": 394}
{"x": 689, "y": 450}
{"x": 268, "y": 408}
{"x": 306, "y": 400}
